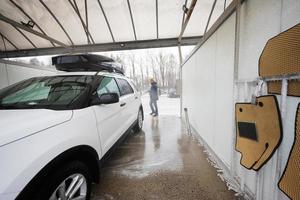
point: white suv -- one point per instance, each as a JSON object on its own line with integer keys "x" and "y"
{"x": 54, "y": 130}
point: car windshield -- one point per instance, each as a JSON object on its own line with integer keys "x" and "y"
{"x": 55, "y": 92}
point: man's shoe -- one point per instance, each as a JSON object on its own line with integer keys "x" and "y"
{"x": 151, "y": 113}
{"x": 155, "y": 115}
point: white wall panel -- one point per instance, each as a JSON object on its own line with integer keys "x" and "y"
{"x": 290, "y": 13}
{"x": 224, "y": 90}
{"x": 12, "y": 73}
{"x": 260, "y": 20}
{"x": 208, "y": 92}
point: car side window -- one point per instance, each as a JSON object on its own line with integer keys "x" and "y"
{"x": 124, "y": 86}
{"x": 108, "y": 85}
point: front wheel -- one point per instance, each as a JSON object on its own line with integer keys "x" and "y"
{"x": 139, "y": 125}
{"x": 73, "y": 181}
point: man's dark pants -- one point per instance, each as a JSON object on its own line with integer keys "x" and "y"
{"x": 153, "y": 106}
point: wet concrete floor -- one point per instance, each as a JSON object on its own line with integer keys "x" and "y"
{"x": 160, "y": 162}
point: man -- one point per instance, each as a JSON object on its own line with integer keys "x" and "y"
{"x": 153, "y": 98}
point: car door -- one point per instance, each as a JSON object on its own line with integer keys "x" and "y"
{"x": 109, "y": 116}
{"x": 137, "y": 98}
{"x": 127, "y": 101}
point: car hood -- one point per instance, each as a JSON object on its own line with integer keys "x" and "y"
{"x": 17, "y": 124}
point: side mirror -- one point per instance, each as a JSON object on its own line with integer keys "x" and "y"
{"x": 107, "y": 98}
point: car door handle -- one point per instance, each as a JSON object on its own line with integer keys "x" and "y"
{"x": 136, "y": 97}
{"x": 122, "y": 104}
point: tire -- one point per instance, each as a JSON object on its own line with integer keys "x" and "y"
{"x": 74, "y": 172}
{"x": 139, "y": 124}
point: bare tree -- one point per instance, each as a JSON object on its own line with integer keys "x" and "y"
{"x": 154, "y": 70}
{"x": 171, "y": 71}
{"x": 141, "y": 64}
{"x": 120, "y": 59}
{"x": 34, "y": 61}
{"x": 162, "y": 64}
{"x": 132, "y": 62}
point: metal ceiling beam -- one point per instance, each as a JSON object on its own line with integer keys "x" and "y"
{"x": 30, "y": 30}
{"x": 156, "y": 11}
{"x": 57, "y": 21}
{"x": 106, "y": 20}
{"x": 28, "y": 16}
{"x": 179, "y": 47}
{"x": 90, "y": 37}
{"x": 87, "y": 32}
{"x": 8, "y": 41}
{"x": 25, "y": 36}
{"x": 4, "y": 45}
{"x": 115, "y": 46}
{"x": 132, "y": 21}
{"x": 75, "y": 8}
{"x": 223, "y": 17}
{"x": 210, "y": 14}
{"x": 183, "y": 14}
{"x": 188, "y": 16}
{"x": 86, "y": 15}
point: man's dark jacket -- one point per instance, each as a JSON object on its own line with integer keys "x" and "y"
{"x": 153, "y": 91}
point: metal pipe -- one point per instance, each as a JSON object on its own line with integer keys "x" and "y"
{"x": 131, "y": 16}
{"x": 106, "y": 20}
{"x": 183, "y": 14}
{"x": 8, "y": 41}
{"x": 57, "y": 21}
{"x": 282, "y": 77}
{"x": 186, "y": 21}
{"x": 3, "y": 43}
{"x": 27, "y": 15}
{"x": 75, "y": 8}
{"x": 86, "y": 14}
{"x": 224, "y": 4}
{"x": 227, "y": 13}
{"x": 25, "y": 36}
{"x": 272, "y": 78}
{"x": 21, "y": 26}
{"x": 210, "y": 14}
{"x": 156, "y": 13}
{"x": 187, "y": 121}
{"x": 215, "y": 26}
{"x": 283, "y": 109}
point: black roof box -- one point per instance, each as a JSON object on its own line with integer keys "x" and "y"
{"x": 86, "y": 62}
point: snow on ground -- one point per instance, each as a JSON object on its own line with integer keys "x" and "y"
{"x": 166, "y": 105}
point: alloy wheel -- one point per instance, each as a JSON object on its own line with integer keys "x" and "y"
{"x": 72, "y": 188}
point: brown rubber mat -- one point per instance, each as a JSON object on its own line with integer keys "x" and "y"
{"x": 259, "y": 131}
{"x": 281, "y": 55}
{"x": 274, "y": 87}
{"x": 290, "y": 180}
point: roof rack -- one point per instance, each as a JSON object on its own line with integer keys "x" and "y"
{"x": 86, "y": 62}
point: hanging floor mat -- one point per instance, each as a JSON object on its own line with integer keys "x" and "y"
{"x": 281, "y": 55}
{"x": 290, "y": 180}
{"x": 259, "y": 131}
{"x": 274, "y": 87}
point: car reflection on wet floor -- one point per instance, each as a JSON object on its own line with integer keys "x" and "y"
{"x": 160, "y": 162}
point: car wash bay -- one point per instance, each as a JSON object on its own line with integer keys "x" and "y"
{"x": 164, "y": 161}
{"x": 160, "y": 162}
